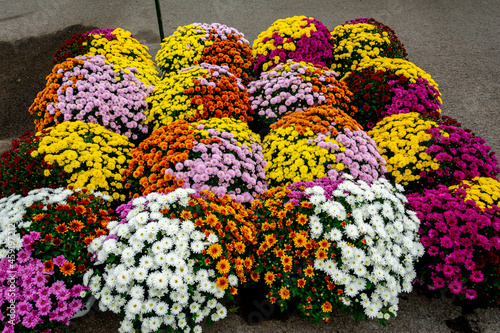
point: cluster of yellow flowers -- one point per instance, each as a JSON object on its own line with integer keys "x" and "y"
{"x": 401, "y": 140}
{"x": 302, "y": 147}
{"x": 397, "y": 66}
{"x": 485, "y": 191}
{"x": 94, "y": 156}
{"x": 125, "y": 51}
{"x": 182, "y": 48}
{"x": 292, "y": 157}
{"x": 355, "y": 43}
{"x": 169, "y": 102}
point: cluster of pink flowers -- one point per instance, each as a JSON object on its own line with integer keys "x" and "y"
{"x": 114, "y": 99}
{"x": 462, "y": 243}
{"x": 224, "y": 168}
{"x": 418, "y": 97}
{"x": 361, "y": 155}
{"x": 220, "y": 31}
{"x": 461, "y": 155}
{"x": 37, "y": 302}
{"x": 288, "y": 88}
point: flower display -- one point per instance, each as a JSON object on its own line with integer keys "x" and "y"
{"x": 171, "y": 259}
{"x": 89, "y": 90}
{"x": 295, "y": 86}
{"x": 298, "y": 38}
{"x": 199, "y": 43}
{"x": 21, "y": 173}
{"x": 37, "y": 303}
{"x": 358, "y": 42}
{"x": 220, "y": 155}
{"x": 94, "y": 157}
{"x": 200, "y": 92}
{"x": 461, "y": 240}
{"x": 321, "y": 141}
{"x": 337, "y": 244}
{"x": 118, "y": 46}
{"x": 423, "y": 153}
{"x": 60, "y": 223}
{"x": 384, "y": 86}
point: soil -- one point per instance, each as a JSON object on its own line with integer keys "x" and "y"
{"x": 26, "y": 64}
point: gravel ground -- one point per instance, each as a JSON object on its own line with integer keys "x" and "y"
{"x": 457, "y": 42}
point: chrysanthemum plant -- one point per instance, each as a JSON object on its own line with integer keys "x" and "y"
{"x": 85, "y": 88}
{"x": 396, "y": 45}
{"x": 119, "y": 48}
{"x": 356, "y": 42}
{"x": 220, "y": 155}
{"x": 171, "y": 260}
{"x": 460, "y": 231}
{"x": 93, "y": 157}
{"x": 320, "y": 141}
{"x": 295, "y": 86}
{"x": 387, "y": 86}
{"x": 214, "y": 43}
{"x": 56, "y": 226}
{"x": 340, "y": 244}
{"x": 30, "y": 299}
{"x": 298, "y": 38}
{"x": 421, "y": 153}
{"x": 200, "y": 92}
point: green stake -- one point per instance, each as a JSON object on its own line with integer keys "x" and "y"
{"x": 160, "y": 22}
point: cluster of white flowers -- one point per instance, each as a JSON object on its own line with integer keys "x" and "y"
{"x": 392, "y": 245}
{"x": 153, "y": 267}
{"x": 13, "y": 211}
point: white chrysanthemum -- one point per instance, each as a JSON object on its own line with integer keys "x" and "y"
{"x": 109, "y": 246}
{"x": 316, "y": 229}
{"x": 212, "y": 238}
{"x": 233, "y": 280}
{"x": 351, "y": 231}
{"x": 141, "y": 234}
{"x": 197, "y": 246}
{"x": 146, "y": 261}
{"x": 175, "y": 309}
{"x": 155, "y": 215}
{"x": 126, "y": 326}
{"x": 134, "y": 306}
{"x": 157, "y": 247}
{"x": 137, "y": 292}
{"x": 140, "y": 219}
{"x": 197, "y": 329}
{"x": 160, "y": 259}
{"x": 136, "y": 244}
{"x": 128, "y": 253}
{"x": 154, "y": 323}
{"x": 172, "y": 228}
{"x": 161, "y": 308}
{"x": 140, "y": 274}
{"x": 176, "y": 281}
{"x": 335, "y": 234}
{"x": 151, "y": 238}
{"x": 194, "y": 307}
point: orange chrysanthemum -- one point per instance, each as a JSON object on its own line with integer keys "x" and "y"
{"x": 214, "y": 250}
{"x": 222, "y": 282}
{"x": 269, "y": 278}
{"x": 284, "y": 293}
{"x": 326, "y": 307}
{"x": 223, "y": 266}
{"x": 68, "y": 268}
